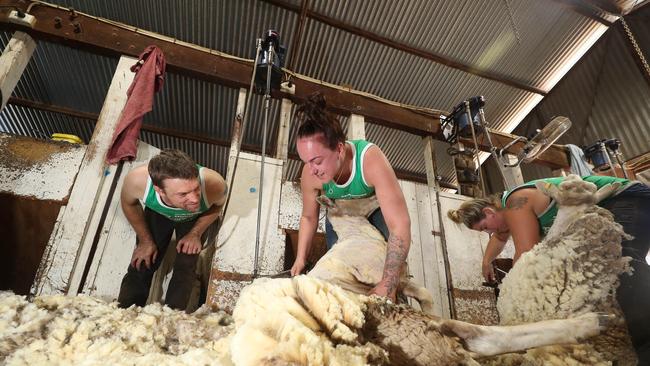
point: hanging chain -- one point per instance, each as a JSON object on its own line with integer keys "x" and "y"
{"x": 639, "y": 53}
{"x": 512, "y": 21}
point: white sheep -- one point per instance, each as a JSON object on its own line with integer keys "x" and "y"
{"x": 356, "y": 262}
{"x": 572, "y": 271}
{"x": 308, "y": 320}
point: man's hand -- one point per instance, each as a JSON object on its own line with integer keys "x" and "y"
{"x": 298, "y": 267}
{"x": 386, "y": 289}
{"x": 146, "y": 253}
{"x": 488, "y": 272}
{"x": 189, "y": 244}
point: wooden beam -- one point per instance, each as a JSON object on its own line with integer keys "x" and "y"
{"x": 52, "y": 108}
{"x": 554, "y": 157}
{"x": 92, "y": 117}
{"x": 13, "y": 61}
{"x": 109, "y": 38}
{"x": 297, "y": 36}
{"x": 356, "y": 128}
{"x": 409, "y": 49}
{"x": 639, "y": 163}
{"x": 284, "y": 129}
{"x": 500, "y": 139}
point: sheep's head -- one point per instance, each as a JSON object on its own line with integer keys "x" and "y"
{"x": 354, "y": 207}
{"x": 574, "y": 191}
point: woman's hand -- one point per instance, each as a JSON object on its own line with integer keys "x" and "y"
{"x": 488, "y": 272}
{"x": 298, "y": 267}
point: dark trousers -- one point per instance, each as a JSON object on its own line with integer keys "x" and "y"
{"x": 136, "y": 283}
{"x": 631, "y": 209}
{"x": 376, "y": 219}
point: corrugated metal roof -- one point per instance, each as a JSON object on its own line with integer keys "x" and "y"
{"x": 605, "y": 96}
{"x": 481, "y": 34}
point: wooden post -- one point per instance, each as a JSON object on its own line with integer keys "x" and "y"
{"x": 13, "y": 61}
{"x": 512, "y": 175}
{"x": 65, "y": 256}
{"x": 356, "y": 128}
{"x": 235, "y": 144}
{"x": 435, "y": 253}
{"x": 282, "y": 150}
{"x": 430, "y": 162}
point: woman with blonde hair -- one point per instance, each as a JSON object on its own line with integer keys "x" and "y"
{"x": 525, "y": 214}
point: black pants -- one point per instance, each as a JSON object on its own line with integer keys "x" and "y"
{"x": 631, "y": 209}
{"x": 135, "y": 284}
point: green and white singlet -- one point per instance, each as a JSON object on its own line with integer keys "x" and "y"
{"x": 152, "y": 200}
{"x": 356, "y": 186}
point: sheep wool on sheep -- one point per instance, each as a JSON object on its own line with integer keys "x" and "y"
{"x": 573, "y": 270}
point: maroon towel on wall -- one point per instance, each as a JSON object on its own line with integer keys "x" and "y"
{"x": 150, "y": 72}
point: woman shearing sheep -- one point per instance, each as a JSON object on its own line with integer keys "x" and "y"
{"x": 525, "y": 214}
{"x": 346, "y": 170}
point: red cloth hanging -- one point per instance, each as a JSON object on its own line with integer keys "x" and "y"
{"x": 149, "y": 77}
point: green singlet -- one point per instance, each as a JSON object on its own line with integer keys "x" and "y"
{"x": 151, "y": 199}
{"x": 547, "y": 217}
{"x": 356, "y": 186}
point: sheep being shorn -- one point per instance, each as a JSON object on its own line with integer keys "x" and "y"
{"x": 299, "y": 321}
{"x": 356, "y": 262}
{"x": 308, "y": 320}
{"x": 572, "y": 271}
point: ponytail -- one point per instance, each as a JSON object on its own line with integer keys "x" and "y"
{"x": 317, "y": 120}
{"x": 470, "y": 212}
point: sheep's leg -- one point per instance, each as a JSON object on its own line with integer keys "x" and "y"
{"x": 421, "y": 294}
{"x": 494, "y": 340}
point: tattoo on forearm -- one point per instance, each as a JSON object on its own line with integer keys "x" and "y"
{"x": 516, "y": 202}
{"x": 396, "y": 253}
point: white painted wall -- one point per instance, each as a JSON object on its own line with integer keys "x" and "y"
{"x": 235, "y": 252}
{"x": 291, "y": 208}
{"x": 426, "y": 261}
{"x": 47, "y": 178}
{"x": 236, "y": 239}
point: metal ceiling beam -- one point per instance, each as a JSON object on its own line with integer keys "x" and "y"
{"x": 409, "y": 49}
{"x": 585, "y": 10}
{"x": 74, "y": 29}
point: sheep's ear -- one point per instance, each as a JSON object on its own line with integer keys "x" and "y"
{"x": 325, "y": 201}
{"x": 606, "y": 191}
{"x": 548, "y": 189}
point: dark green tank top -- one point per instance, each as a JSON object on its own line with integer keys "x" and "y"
{"x": 151, "y": 199}
{"x": 356, "y": 186}
{"x": 547, "y": 217}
